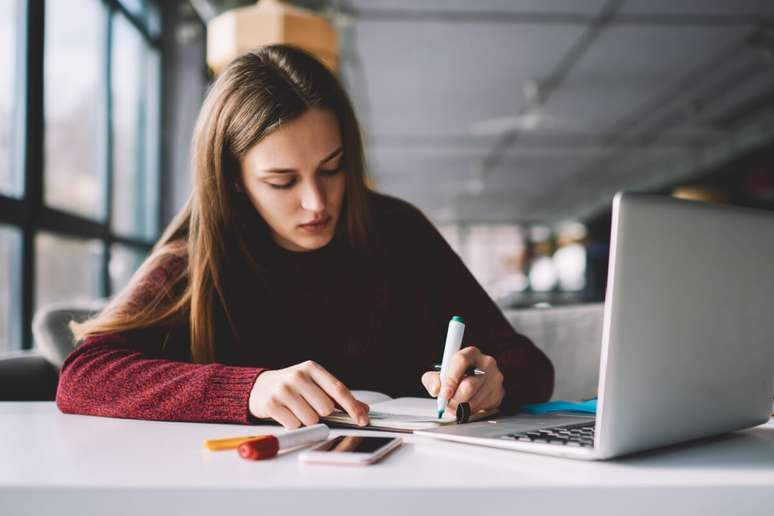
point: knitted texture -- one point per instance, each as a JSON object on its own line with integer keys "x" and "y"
{"x": 375, "y": 324}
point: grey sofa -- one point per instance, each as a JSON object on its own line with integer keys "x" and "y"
{"x": 570, "y": 336}
{"x": 26, "y": 376}
{"x": 33, "y": 375}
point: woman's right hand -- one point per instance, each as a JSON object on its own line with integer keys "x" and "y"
{"x": 299, "y": 395}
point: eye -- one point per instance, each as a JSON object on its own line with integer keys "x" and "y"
{"x": 332, "y": 171}
{"x": 282, "y": 186}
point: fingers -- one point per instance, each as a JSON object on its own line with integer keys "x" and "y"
{"x": 489, "y": 396}
{"x": 459, "y": 363}
{"x": 338, "y": 391}
{"x": 487, "y": 364}
{"x": 282, "y": 415}
{"x": 301, "y": 394}
{"x": 299, "y": 407}
{"x": 467, "y": 388}
{"x": 481, "y": 392}
{"x": 432, "y": 382}
{"x": 491, "y": 392}
{"x": 315, "y": 396}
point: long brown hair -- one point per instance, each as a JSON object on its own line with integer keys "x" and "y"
{"x": 256, "y": 93}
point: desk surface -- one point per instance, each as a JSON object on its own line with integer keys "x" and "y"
{"x": 76, "y": 463}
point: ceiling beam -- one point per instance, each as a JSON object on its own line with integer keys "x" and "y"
{"x": 550, "y": 84}
{"x": 543, "y": 18}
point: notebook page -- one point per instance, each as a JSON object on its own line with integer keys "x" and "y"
{"x": 409, "y": 409}
{"x": 370, "y": 397}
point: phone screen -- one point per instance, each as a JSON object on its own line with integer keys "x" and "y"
{"x": 354, "y": 444}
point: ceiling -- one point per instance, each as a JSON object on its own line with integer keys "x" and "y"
{"x": 539, "y": 110}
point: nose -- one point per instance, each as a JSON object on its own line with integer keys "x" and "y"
{"x": 313, "y": 197}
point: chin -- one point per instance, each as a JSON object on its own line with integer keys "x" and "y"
{"x": 312, "y": 243}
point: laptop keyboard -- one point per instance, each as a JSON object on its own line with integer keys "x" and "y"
{"x": 581, "y": 434}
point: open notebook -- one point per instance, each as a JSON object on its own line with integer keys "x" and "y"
{"x": 399, "y": 414}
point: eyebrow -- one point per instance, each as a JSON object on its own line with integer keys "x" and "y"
{"x": 329, "y": 157}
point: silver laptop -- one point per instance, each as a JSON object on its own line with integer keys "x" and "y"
{"x": 687, "y": 342}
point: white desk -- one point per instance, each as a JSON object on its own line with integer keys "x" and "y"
{"x": 51, "y": 463}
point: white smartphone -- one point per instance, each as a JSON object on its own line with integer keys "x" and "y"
{"x": 351, "y": 449}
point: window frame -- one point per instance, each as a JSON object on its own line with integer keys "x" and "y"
{"x": 29, "y": 212}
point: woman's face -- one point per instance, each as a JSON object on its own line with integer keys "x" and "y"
{"x": 294, "y": 178}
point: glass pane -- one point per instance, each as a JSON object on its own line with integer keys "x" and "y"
{"x": 74, "y": 135}
{"x": 66, "y": 269}
{"x": 136, "y": 7}
{"x": 10, "y": 179}
{"x": 124, "y": 261}
{"x": 154, "y": 20}
{"x": 10, "y": 293}
{"x": 135, "y": 78}
{"x": 146, "y": 13}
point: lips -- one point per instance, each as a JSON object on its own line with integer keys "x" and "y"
{"x": 315, "y": 225}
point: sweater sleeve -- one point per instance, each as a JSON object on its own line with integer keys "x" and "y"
{"x": 527, "y": 371}
{"x": 109, "y": 376}
{"x": 141, "y": 375}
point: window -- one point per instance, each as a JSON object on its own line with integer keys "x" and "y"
{"x": 10, "y": 268}
{"x": 10, "y": 183}
{"x": 135, "y": 79}
{"x": 135, "y": 7}
{"x": 79, "y": 152}
{"x": 68, "y": 269}
{"x": 74, "y": 129}
{"x": 124, "y": 261}
{"x": 146, "y": 11}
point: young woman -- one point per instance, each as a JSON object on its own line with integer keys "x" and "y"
{"x": 285, "y": 281}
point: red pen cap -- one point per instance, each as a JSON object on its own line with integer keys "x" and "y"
{"x": 264, "y": 447}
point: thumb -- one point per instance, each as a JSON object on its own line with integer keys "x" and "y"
{"x": 450, "y": 387}
{"x": 432, "y": 382}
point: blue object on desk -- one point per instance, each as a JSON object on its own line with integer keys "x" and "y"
{"x": 586, "y": 406}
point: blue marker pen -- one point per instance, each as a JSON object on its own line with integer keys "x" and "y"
{"x": 453, "y": 344}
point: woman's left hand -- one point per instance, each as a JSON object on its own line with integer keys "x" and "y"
{"x": 482, "y": 392}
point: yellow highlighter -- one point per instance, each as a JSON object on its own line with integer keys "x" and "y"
{"x": 230, "y": 443}
{"x": 290, "y": 439}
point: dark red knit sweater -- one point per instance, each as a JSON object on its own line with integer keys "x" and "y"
{"x": 376, "y": 325}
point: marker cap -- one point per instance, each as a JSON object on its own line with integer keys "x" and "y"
{"x": 264, "y": 447}
{"x": 463, "y": 412}
{"x": 458, "y": 318}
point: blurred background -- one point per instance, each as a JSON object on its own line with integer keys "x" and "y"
{"x": 510, "y": 123}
